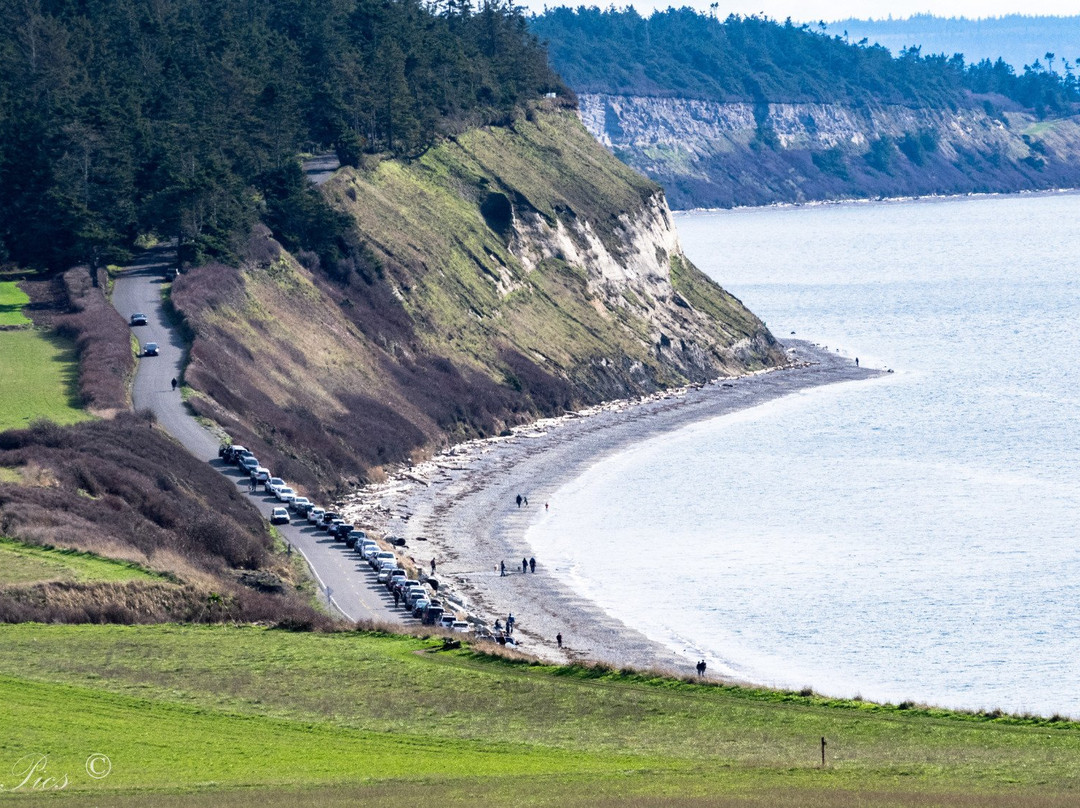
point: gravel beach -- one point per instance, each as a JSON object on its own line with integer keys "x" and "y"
{"x": 460, "y": 507}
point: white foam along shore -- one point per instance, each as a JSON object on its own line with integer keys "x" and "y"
{"x": 460, "y": 507}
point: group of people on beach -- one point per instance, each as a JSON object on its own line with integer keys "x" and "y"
{"x": 527, "y": 565}
{"x": 522, "y": 500}
{"x": 701, "y": 667}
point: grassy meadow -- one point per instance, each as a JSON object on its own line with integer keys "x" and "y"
{"x": 22, "y": 563}
{"x": 37, "y": 370}
{"x": 246, "y": 716}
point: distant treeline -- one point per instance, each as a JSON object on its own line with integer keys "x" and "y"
{"x": 682, "y": 53}
{"x": 1019, "y": 39}
{"x": 184, "y": 117}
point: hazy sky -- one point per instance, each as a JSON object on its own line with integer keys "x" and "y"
{"x": 811, "y": 10}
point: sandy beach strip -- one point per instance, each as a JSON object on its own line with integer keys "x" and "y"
{"x": 460, "y": 507}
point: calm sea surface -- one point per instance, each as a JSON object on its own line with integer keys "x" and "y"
{"x": 911, "y": 537}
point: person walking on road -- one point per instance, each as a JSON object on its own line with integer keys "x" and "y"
{"x": 397, "y": 598}
{"x": 174, "y": 384}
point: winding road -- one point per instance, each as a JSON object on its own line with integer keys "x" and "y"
{"x": 347, "y": 582}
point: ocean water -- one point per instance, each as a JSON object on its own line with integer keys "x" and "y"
{"x": 912, "y": 537}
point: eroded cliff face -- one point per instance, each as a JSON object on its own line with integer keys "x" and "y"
{"x": 710, "y": 154}
{"x": 512, "y": 272}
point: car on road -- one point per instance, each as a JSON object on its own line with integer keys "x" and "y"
{"x": 354, "y": 538}
{"x": 299, "y": 504}
{"x": 273, "y": 484}
{"x": 385, "y": 573}
{"x": 340, "y": 529}
{"x": 279, "y": 516}
{"x": 260, "y": 474}
{"x": 283, "y": 491}
{"x": 395, "y": 574}
{"x": 232, "y": 453}
{"x": 461, "y": 626}
{"x": 432, "y": 615}
{"x": 447, "y": 620}
{"x": 249, "y": 464}
{"x": 327, "y": 520}
{"x": 138, "y": 318}
{"x": 378, "y": 558}
{"x": 419, "y": 605}
{"x": 315, "y": 515}
{"x": 150, "y": 349}
{"x": 367, "y": 548}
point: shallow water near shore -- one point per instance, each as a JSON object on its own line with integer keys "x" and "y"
{"x": 913, "y": 537}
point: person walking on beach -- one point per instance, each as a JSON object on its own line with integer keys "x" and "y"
{"x": 532, "y": 565}
{"x": 524, "y": 565}
{"x": 526, "y": 501}
{"x": 502, "y": 569}
{"x": 545, "y": 506}
{"x": 558, "y": 639}
{"x": 510, "y": 623}
{"x": 433, "y": 566}
{"x": 519, "y": 500}
{"x": 856, "y": 361}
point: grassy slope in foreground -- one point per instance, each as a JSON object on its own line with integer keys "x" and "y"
{"x": 180, "y": 708}
{"x": 22, "y": 563}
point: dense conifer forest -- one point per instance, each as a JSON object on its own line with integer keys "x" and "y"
{"x": 682, "y": 53}
{"x": 184, "y": 117}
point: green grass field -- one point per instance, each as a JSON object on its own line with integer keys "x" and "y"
{"x": 38, "y": 377}
{"x": 26, "y": 563}
{"x": 12, "y": 300}
{"x": 248, "y": 716}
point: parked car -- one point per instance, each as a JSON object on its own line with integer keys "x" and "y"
{"x": 304, "y": 508}
{"x": 284, "y": 493}
{"x": 395, "y": 574}
{"x": 260, "y": 474}
{"x": 432, "y": 615}
{"x": 460, "y": 626}
{"x": 279, "y": 516}
{"x": 315, "y": 515}
{"x": 332, "y": 527}
{"x": 447, "y": 620}
{"x": 413, "y": 595}
{"x": 385, "y": 573}
{"x": 232, "y": 453}
{"x": 340, "y": 529}
{"x": 138, "y": 318}
{"x": 249, "y": 464}
{"x": 328, "y": 519}
{"x": 381, "y": 556}
{"x": 419, "y": 606}
{"x": 367, "y": 548}
{"x": 353, "y": 538}
{"x": 273, "y": 484}
{"x": 298, "y": 504}
{"x": 150, "y": 349}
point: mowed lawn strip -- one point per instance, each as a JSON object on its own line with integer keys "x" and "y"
{"x": 22, "y": 563}
{"x": 156, "y": 744}
{"x": 12, "y": 300}
{"x": 465, "y": 709}
{"x": 37, "y": 379}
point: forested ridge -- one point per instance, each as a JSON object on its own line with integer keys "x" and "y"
{"x": 183, "y": 118}
{"x": 681, "y": 53}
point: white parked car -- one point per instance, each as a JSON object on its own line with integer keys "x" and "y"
{"x": 279, "y": 516}
{"x": 384, "y": 555}
{"x": 461, "y": 626}
{"x": 273, "y": 484}
{"x": 314, "y": 515}
{"x": 284, "y": 493}
{"x": 299, "y": 503}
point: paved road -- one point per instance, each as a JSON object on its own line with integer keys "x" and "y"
{"x": 353, "y": 590}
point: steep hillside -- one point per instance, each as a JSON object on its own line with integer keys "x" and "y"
{"x": 712, "y": 154}
{"x": 509, "y": 272}
{"x": 749, "y": 111}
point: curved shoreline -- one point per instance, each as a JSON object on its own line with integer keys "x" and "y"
{"x": 460, "y": 507}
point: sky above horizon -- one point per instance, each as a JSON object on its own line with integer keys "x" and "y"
{"x": 829, "y": 10}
